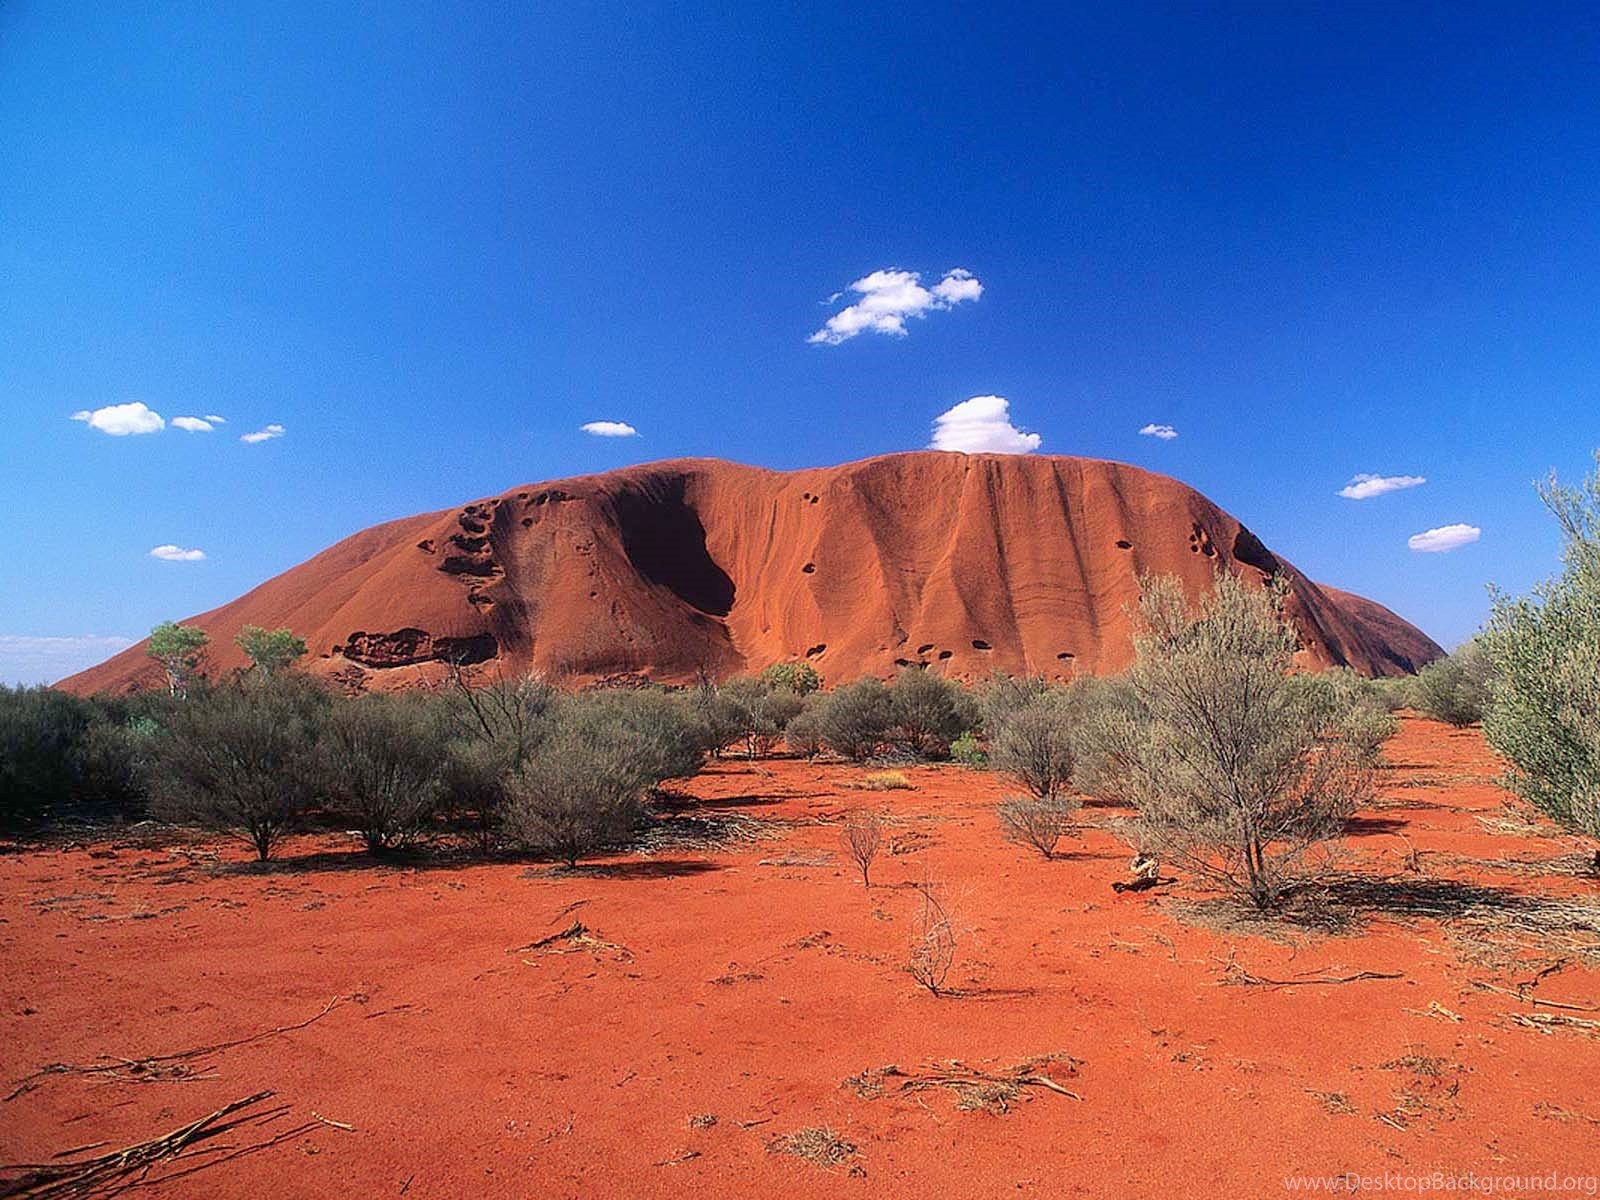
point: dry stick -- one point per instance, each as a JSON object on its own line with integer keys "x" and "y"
{"x": 43, "y": 1181}
{"x": 1485, "y": 985}
{"x": 1249, "y": 980}
{"x": 110, "y": 1065}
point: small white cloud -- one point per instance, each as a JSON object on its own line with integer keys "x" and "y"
{"x": 29, "y": 660}
{"x": 120, "y": 420}
{"x": 1446, "y": 537}
{"x": 1165, "y": 432}
{"x": 171, "y": 553}
{"x": 889, "y": 297}
{"x": 609, "y": 429}
{"x": 1364, "y": 487}
{"x": 263, "y": 435}
{"x": 193, "y": 424}
{"x": 216, "y": 420}
{"x": 981, "y": 425}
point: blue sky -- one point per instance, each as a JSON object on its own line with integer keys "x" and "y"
{"x": 430, "y": 242}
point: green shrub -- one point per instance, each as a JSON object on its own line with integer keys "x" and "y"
{"x": 803, "y": 734}
{"x": 494, "y": 728}
{"x": 384, "y": 768}
{"x": 967, "y": 751}
{"x": 1454, "y": 689}
{"x": 927, "y": 713}
{"x": 798, "y": 677}
{"x": 757, "y": 712}
{"x": 1238, "y": 770}
{"x": 1034, "y": 745}
{"x": 1003, "y": 694}
{"x": 855, "y": 720}
{"x": 658, "y": 729}
{"x": 1543, "y": 715}
{"x": 270, "y": 650}
{"x": 242, "y": 759}
{"x": 181, "y": 650}
{"x": 42, "y": 732}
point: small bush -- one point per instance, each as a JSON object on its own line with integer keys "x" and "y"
{"x": 886, "y": 781}
{"x": 967, "y": 751}
{"x": 1034, "y": 745}
{"x": 757, "y": 713}
{"x": 932, "y": 951}
{"x": 659, "y": 729}
{"x": 1004, "y": 694}
{"x": 577, "y": 796}
{"x": 861, "y": 836}
{"x": 42, "y": 732}
{"x": 1454, "y": 689}
{"x": 854, "y": 720}
{"x": 803, "y": 734}
{"x": 243, "y": 759}
{"x": 798, "y": 677}
{"x": 494, "y": 727}
{"x": 1544, "y": 708}
{"x": 1031, "y": 821}
{"x": 927, "y": 713}
{"x": 383, "y": 768}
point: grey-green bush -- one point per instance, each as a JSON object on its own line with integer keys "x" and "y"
{"x": 854, "y": 720}
{"x": 927, "y": 713}
{"x": 384, "y": 767}
{"x": 1454, "y": 689}
{"x": 1034, "y": 745}
{"x": 1544, "y": 708}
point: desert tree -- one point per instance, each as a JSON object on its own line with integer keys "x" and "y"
{"x": 180, "y": 649}
{"x": 1239, "y": 772}
{"x": 1543, "y": 714}
{"x": 270, "y": 650}
{"x": 927, "y": 712}
{"x": 41, "y": 734}
{"x": 861, "y": 836}
{"x": 758, "y": 712}
{"x": 855, "y": 720}
{"x": 383, "y": 767}
{"x": 243, "y": 759}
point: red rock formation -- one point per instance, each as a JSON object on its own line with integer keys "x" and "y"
{"x": 968, "y": 563}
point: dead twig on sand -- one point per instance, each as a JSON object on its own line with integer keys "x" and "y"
{"x": 1237, "y": 975}
{"x": 157, "y": 1068}
{"x": 1485, "y": 985}
{"x": 976, "y": 1089}
{"x": 1550, "y": 1022}
{"x": 132, "y": 1166}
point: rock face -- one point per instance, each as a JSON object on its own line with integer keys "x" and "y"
{"x": 966, "y": 563}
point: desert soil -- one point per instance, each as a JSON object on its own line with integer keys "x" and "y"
{"x": 735, "y": 978}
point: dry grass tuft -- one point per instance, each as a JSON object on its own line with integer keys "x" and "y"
{"x": 817, "y": 1144}
{"x": 886, "y": 781}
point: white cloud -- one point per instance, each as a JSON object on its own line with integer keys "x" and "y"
{"x": 981, "y": 425}
{"x": 889, "y": 297}
{"x": 193, "y": 424}
{"x": 1446, "y": 537}
{"x": 216, "y": 420}
{"x": 1165, "y": 432}
{"x": 171, "y": 553}
{"x": 263, "y": 435}
{"x": 26, "y": 660}
{"x": 609, "y": 429}
{"x": 120, "y": 420}
{"x": 1364, "y": 487}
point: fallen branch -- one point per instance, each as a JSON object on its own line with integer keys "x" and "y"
{"x": 578, "y": 936}
{"x": 131, "y": 1166}
{"x": 157, "y": 1067}
{"x": 1486, "y": 986}
{"x": 974, "y": 1088}
{"x": 1245, "y": 979}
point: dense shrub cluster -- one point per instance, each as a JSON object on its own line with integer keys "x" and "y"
{"x": 1543, "y": 713}
{"x": 1454, "y": 689}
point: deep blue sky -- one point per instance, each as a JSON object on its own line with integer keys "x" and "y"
{"x": 431, "y": 241}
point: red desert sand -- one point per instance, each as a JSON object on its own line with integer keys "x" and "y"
{"x": 729, "y": 1013}
{"x": 968, "y": 563}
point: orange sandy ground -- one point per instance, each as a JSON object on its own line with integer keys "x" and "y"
{"x": 756, "y": 980}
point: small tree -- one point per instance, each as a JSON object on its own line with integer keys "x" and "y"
{"x": 243, "y": 760}
{"x": 758, "y": 712}
{"x": 1238, "y": 771}
{"x": 927, "y": 712}
{"x": 855, "y": 720}
{"x": 1033, "y": 746}
{"x": 1454, "y": 689}
{"x": 270, "y": 650}
{"x": 383, "y": 762}
{"x": 861, "y": 835}
{"x": 180, "y": 649}
{"x": 1544, "y": 708}
{"x": 494, "y": 727}
{"x": 800, "y": 677}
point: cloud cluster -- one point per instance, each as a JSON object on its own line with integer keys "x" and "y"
{"x": 122, "y": 420}
{"x": 1446, "y": 537}
{"x": 609, "y": 429}
{"x": 29, "y": 660}
{"x": 265, "y": 434}
{"x": 1165, "y": 432}
{"x": 981, "y": 425}
{"x": 203, "y": 424}
{"x": 889, "y": 297}
{"x": 171, "y": 553}
{"x": 1364, "y": 487}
